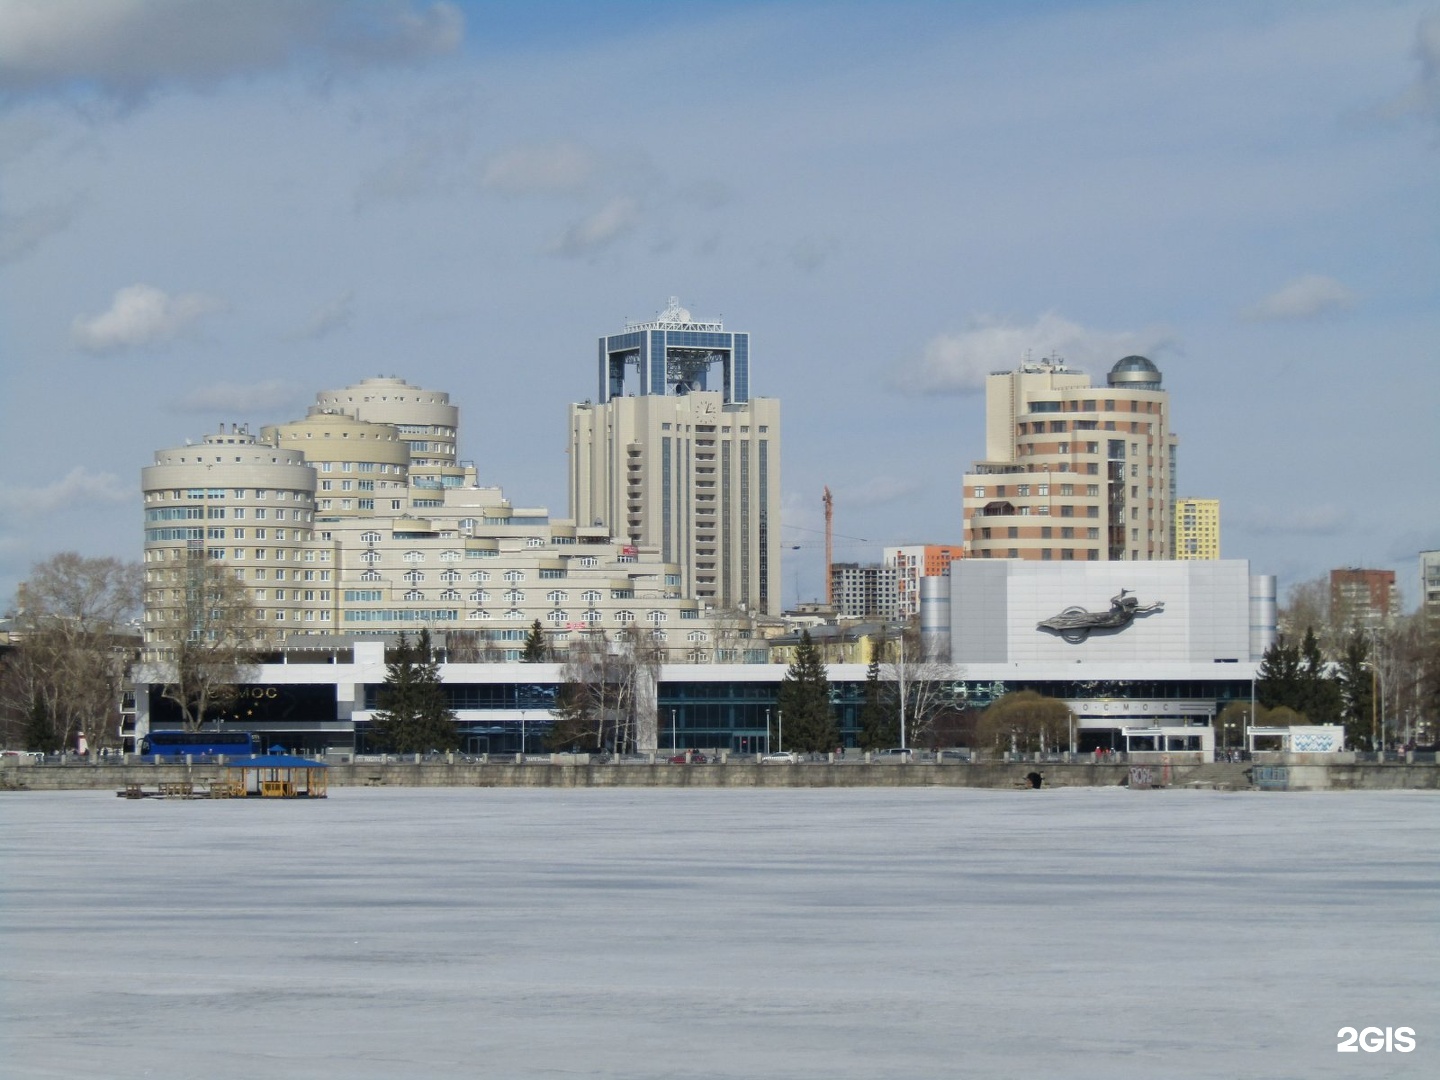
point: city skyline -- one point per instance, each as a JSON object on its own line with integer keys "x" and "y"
{"x": 204, "y": 229}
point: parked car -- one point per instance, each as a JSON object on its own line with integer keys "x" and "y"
{"x": 781, "y": 757}
{"x": 954, "y": 754}
{"x": 696, "y": 758}
{"x": 893, "y": 755}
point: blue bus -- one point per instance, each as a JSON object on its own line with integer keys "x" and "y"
{"x": 173, "y": 744}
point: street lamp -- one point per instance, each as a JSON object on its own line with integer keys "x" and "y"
{"x": 672, "y": 731}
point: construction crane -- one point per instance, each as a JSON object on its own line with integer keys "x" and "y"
{"x": 829, "y": 546}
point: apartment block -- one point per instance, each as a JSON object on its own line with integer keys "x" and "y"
{"x": 913, "y": 562}
{"x": 1073, "y": 472}
{"x": 1197, "y": 529}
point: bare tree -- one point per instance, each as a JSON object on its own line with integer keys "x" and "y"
{"x": 919, "y": 689}
{"x": 208, "y": 646}
{"x": 76, "y": 623}
{"x": 607, "y": 697}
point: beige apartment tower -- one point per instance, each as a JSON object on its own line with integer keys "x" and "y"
{"x": 1197, "y": 529}
{"x": 664, "y": 461}
{"x": 1073, "y": 472}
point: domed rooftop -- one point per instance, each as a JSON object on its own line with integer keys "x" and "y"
{"x": 1135, "y": 372}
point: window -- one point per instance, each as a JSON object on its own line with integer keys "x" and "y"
{"x": 1067, "y": 489}
{"x": 414, "y": 556}
{"x": 514, "y": 613}
{"x": 590, "y": 615}
{"x": 556, "y": 596}
{"x": 624, "y": 616}
{"x": 1067, "y": 511}
{"x": 557, "y": 616}
{"x": 370, "y": 575}
{"x": 370, "y": 557}
{"x": 514, "y": 575}
{"x": 979, "y": 492}
{"x": 1042, "y": 489}
{"x": 534, "y": 542}
{"x": 697, "y": 635}
{"x": 450, "y": 575}
{"x": 479, "y": 596}
{"x": 414, "y": 594}
{"x": 479, "y": 575}
{"x": 450, "y": 556}
{"x": 590, "y": 596}
{"x": 514, "y": 596}
{"x": 450, "y": 594}
{"x": 414, "y": 576}
{"x": 589, "y": 561}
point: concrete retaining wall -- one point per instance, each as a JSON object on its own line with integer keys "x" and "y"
{"x": 1350, "y": 777}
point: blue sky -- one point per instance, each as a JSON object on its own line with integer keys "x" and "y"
{"x": 209, "y": 213}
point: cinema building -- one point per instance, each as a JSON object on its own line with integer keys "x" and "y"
{"x": 1145, "y": 655}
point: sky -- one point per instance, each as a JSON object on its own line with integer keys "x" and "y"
{"x": 209, "y": 213}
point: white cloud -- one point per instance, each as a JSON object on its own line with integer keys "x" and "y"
{"x": 237, "y": 398}
{"x": 557, "y": 168}
{"x": 1304, "y": 298}
{"x": 1324, "y": 519}
{"x": 141, "y": 315}
{"x": 22, "y": 233}
{"x": 78, "y": 486}
{"x": 958, "y": 363}
{"x": 126, "y": 47}
{"x": 614, "y": 219}
{"x": 336, "y": 315}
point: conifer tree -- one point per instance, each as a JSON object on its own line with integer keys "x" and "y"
{"x": 804, "y": 702}
{"x": 414, "y": 714}
{"x": 536, "y": 649}
{"x": 878, "y": 722}
{"x": 1277, "y": 682}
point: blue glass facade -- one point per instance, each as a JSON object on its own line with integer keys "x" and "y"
{"x": 647, "y": 351}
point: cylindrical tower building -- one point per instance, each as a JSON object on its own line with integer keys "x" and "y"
{"x": 239, "y": 502}
{"x": 425, "y": 419}
{"x": 361, "y": 467}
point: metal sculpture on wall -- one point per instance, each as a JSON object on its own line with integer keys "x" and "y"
{"x": 1075, "y": 624}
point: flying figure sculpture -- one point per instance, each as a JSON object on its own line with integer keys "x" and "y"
{"x": 1075, "y": 624}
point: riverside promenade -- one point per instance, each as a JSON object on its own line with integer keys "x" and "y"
{"x": 572, "y": 771}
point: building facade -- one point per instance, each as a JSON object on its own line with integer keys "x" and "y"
{"x": 864, "y": 591}
{"x": 1073, "y": 472}
{"x": 913, "y": 562}
{"x": 1430, "y": 590}
{"x": 332, "y": 528}
{"x": 1366, "y": 599}
{"x": 1197, "y": 529}
{"x": 664, "y": 461}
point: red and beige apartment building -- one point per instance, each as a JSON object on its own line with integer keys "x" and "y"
{"x": 1073, "y": 472}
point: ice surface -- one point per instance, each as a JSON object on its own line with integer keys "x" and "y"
{"x": 866, "y": 933}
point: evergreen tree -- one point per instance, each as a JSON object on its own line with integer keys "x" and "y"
{"x": 536, "y": 651}
{"x": 1278, "y": 680}
{"x": 414, "y": 714}
{"x": 879, "y": 726}
{"x": 1357, "y": 692}
{"x": 804, "y": 702}
{"x": 1319, "y": 693}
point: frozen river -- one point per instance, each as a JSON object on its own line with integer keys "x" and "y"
{"x": 866, "y": 933}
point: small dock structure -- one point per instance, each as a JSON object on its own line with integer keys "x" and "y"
{"x": 265, "y": 776}
{"x": 277, "y": 776}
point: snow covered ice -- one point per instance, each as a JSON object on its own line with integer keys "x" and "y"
{"x": 869, "y": 933}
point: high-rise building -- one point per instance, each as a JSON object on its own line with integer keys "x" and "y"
{"x": 1073, "y": 472}
{"x": 664, "y": 461}
{"x": 1197, "y": 529}
{"x": 1366, "y": 599}
{"x": 913, "y": 562}
{"x": 864, "y": 590}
